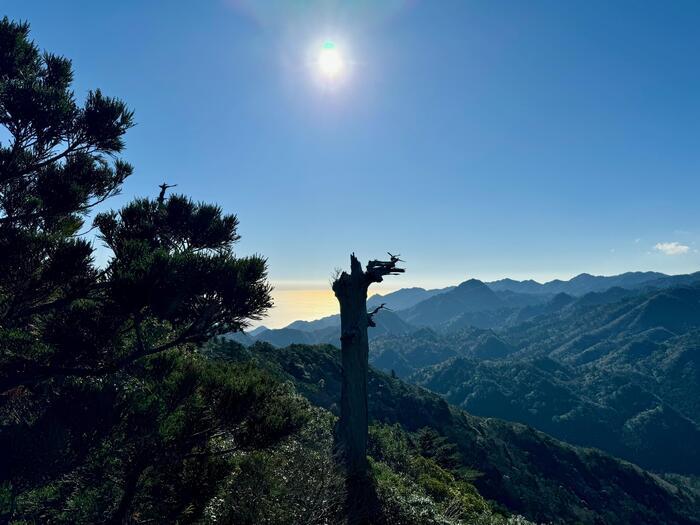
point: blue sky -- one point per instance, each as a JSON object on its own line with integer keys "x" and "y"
{"x": 479, "y": 139}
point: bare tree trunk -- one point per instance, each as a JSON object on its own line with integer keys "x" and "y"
{"x": 351, "y": 433}
{"x": 351, "y": 291}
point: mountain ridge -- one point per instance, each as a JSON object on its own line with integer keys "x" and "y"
{"x": 581, "y": 283}
{"x": 578, "y": 286}
{"x": 522, "y": 469}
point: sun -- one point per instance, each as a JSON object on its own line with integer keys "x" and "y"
{"x": 330, "y": 60}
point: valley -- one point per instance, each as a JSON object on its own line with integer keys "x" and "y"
{"x": 606, "y": 362}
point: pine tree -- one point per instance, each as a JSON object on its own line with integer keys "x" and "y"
{"x": 104, "y": 406}
{"x": 433, "y": 445}
{"x": 173, "y": 278}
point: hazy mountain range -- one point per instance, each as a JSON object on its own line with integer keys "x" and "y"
{"x": 605, "y": 362}
{"x": 471, "y": 303}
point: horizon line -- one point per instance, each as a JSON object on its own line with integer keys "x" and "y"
{"x": 310, "y": 284}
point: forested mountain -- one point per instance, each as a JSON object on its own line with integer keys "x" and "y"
{"x": 470, "y": 296}
{"x": 613, "y": 364}
{"x": 614, "y": 370}
{"x": 474, "y": 303}
{"x": 522, "y": 469}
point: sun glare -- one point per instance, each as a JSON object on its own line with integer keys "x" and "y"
{"x": 330, "y": 60}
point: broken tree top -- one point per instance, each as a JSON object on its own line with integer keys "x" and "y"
{"x": 381, "y": 268}
{"x": 374, "y": 272}
{"x": 351, "y": 291}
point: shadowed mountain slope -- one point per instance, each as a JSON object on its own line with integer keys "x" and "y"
{"x": 470, "y": 296}
{"x": 522, "y": 469}
{"x": 405, "y": 297}
{"x": 623, "y": 376}
{"x": 324, "y": 331}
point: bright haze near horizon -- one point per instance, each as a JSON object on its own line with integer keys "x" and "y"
{"x": 478, "y": 139}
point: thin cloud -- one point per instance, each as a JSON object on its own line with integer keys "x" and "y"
{"x": 671, "y": 248}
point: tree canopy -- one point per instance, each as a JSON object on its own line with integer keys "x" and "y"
{"x": 102, "y": 401}
{"x": 173, "y": 277}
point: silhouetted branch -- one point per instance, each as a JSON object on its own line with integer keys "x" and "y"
{"x": 163, "y": 187}
{"x": 376, "y": 270}
{"x": 370, "y": 315}
{"x": 47, "y": 372}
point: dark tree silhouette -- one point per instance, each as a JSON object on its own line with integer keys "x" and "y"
{"x": 351, "y": 291}
{"x": 84, "y": 350}
{"x": 173, "y": 278}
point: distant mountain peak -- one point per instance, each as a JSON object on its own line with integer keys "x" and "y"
{"x": 472, "y": 283}
{"x": 561, "y": 299}
{"x": 257, "y": 330}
